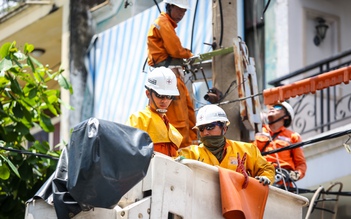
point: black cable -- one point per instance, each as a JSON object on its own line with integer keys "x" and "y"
{"x": 300, "y": 144}
{"x": 265, "y": 8}
{"x": 192, "y": 30}
{"x": 231, "y": 101}
{"x": 226, "y": 93}
{"x": 158, "y": 7}
{"x": 144, "y": 65}
{"x": 322, "y": 192}
{"x": 222, "y": 23}
{"x": 29, "y": 153}
{"x": 126, "y": 4}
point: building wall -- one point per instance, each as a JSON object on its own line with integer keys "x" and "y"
{"x": 118, "y": 11}
{"x": 302, "y": 23}
{"x": 326, "y": 161}
{"x": 276, "y": 39}
{"x": 290, "y": 28}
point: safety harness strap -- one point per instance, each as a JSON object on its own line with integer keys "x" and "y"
{"x": 267, "y": 143}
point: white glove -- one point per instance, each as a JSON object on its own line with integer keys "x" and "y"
{"x": 295, "y": 175}
{"x": 195, "y": 57}
{"x": 263, "y": 179}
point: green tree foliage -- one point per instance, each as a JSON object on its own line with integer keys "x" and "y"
{"x": 26, "y": 102}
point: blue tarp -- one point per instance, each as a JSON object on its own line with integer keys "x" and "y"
{"x": 116, "y": 57}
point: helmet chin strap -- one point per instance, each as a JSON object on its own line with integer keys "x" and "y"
{"x": 270, "y": 123}
{"x": 222, "y": 131}
{"x": 161, "y": 110}
{"x": 157, "y": 110}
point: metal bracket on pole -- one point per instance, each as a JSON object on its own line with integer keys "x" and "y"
{"x": 250, "y": 108}
{"x": 198, "y": 59}
{"x": 209, "y": 55}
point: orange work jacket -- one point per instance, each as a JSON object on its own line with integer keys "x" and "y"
{"x": 293, "y": 159}
{"x": 162, "y": 41}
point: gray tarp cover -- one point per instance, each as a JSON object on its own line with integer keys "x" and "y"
{"x": 103, "y": 161}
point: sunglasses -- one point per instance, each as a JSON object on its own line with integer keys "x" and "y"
{"x": 278, "y": 107}
{"x": 168, "y": 97}
{"x": 209, "y": 126}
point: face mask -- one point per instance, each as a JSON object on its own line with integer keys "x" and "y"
{"x": 215, "y": 144}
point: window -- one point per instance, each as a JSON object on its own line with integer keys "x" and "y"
{"x": 52, "y": 138}
{"x": 254, "y": 36}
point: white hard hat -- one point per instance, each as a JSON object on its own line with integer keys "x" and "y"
{"x": 180, "y": 3}
{"x": 211, "y": 113}
{"x": 163, "y": 81}
{"x": 290, "y": 112}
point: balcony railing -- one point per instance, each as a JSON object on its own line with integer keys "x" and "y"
{"x": 7, "y": 7}
{"x": 326, "y": 109}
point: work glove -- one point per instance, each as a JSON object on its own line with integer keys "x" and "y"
{"x": 190, "y": 60}
{"x": 295, "y": 175}
{"x": 241, "y": 168}
{"x": 263, "y": 179}
{"x": 213, "y": 95}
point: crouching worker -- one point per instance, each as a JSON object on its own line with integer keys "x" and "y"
{"x": 161, "y": 88}
{"x": 212, "y": 124}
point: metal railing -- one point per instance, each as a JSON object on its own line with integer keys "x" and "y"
{"x": 326, "y": 109}
{"x": 9, "y": 6}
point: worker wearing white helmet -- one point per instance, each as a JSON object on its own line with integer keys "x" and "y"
{"x": 161, "y": 82}
{"x": 164, "y": 46}
{"x": 180, "y": 3}
{"x": 161, "y": 88}
{"x": 287, "y": 116}
{"x": 276, "y": 135}
{"x": 165, "y": 49}
{"x": 212, "y": 124}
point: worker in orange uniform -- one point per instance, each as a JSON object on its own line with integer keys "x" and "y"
{"x": 212, "y": 124}
{"x": 276, "y": 135}
{"x": 161, "y": 88}
{"x": 165, "y": 49}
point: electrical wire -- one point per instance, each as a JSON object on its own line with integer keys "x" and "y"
{"x": 222, "y": 23}
{"x": 300, "y": 144}
{"x": 239, "y": 99}
{"x": 265, "y": 9}
{"x": 193, "y": 28}
{"x": 233, "y": 101}
{"x": 29, "y": 153}
{"x": 322, "y": 192}
{"x": 158, "y": 7}
{"x": 227, "y": 92}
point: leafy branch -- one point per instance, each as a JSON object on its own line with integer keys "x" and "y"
{"x": 27, "y": 102}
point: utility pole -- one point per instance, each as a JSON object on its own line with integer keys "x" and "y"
{"x": 223, "y": 70}
{"x": 81, "y": 33}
